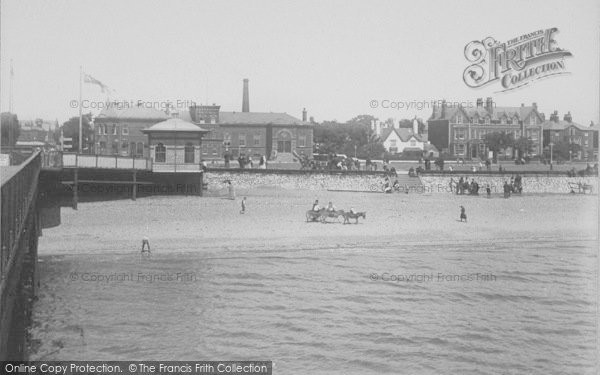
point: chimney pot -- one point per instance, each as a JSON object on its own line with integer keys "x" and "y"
{"x": 304, "y": 114}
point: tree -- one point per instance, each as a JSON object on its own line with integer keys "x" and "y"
{"x": 70, "y": 129}
{"x": 523, "y": 146}
{"x": 498, "y": 141}
{"x": 346, "y": 138}
{"x": 10, "y": 129}
{"x": 560, "y": 150}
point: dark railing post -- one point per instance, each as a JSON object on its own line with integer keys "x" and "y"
{"x": 75, "y": 187}
{"x": 134, "y": 191}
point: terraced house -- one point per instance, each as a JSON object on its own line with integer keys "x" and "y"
{"x": 572, "y": 133}
{"x": 460, "y": 131}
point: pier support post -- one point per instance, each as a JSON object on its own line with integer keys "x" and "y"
{"x": 75, "y": 188}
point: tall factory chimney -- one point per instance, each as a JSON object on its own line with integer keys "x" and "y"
{"x": 246, "y": 97}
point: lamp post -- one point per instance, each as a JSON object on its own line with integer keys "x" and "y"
{"x": 355, "y": 150}
{"x": 551, "y": 144}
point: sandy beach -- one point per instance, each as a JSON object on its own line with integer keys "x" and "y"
{"x": 276, "y": 218}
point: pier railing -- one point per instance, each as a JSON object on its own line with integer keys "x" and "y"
{"x": 59, "y": 159}
{"x": 18, "y": 253}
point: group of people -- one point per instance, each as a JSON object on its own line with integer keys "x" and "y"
{"x": 246, "y": 161}
{"x": 514, "y": 186}
{"x": 329, "y": 208}
{"x": 463, "y": 186}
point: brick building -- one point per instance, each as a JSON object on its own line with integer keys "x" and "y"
{"x": 567, "y": 131}
{"x": 460, "y": 131}
{"x": 118, "y": 130}
{"x": 274, "y": 135}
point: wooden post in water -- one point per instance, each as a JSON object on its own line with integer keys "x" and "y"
{"x": 75, "y": 187}
{"x": 134, "y": 192}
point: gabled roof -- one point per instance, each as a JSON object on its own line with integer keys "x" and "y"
{"x": 258, "y": 118}
{"x": 131, "y": 113}
{"x": 562, "y": 125}
{"x": 175, "y": 125}
{"x": 497, "y": 113}
{"x": 405, "y": 134}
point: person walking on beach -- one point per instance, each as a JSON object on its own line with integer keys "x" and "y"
{"x": 231, "y": 190}
{"x": 145, "y": 242}
{"x": 463, "y": 215}
{"x": 243, "y": 211}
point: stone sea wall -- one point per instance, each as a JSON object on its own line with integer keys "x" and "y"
{"x": 356, "y": 182}
{"x": 316, "y": 182}
{"x": 531, "y": 184}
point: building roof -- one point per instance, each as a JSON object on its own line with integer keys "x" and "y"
{"x": 497, "y": 113}
{"x": 405, "y": 134}
{"x": 175, "y": 125}
{"x": 562, "y": 124}
{"x": 131, "y": 113}
{"x": 259, "y": 118}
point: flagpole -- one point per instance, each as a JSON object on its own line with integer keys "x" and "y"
{"x": 80, "y": 111}
{"x": 10, "y": 95}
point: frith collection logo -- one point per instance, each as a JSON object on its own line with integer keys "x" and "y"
{"x": 515, "y": 63}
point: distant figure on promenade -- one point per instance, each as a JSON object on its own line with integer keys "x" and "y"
{"x": 463, "y": 215}
{"x": 250, "y": 162}
{"x": 243, "y": 211}
{"x": 451, "y": 184}
{"x": 231, "y": 190}
{"x": 227, "y": 157}
{"x": 488, "y": 164}
{"x": 145, "y": 242}
{"x": 262, "y": 163}
{"x": 330, "y": 207}
{"x": 460, "y": 189}
{"x": 368, "y": 164}
{"x": 488, "y": 190}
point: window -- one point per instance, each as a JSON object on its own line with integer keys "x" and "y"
{"x": 125, "y": 130}
{"x": 459, "y": 134}
{"x": 302, "y": 141}
{"x": 459, "y": 119}
{"x": 487, "y": 121}
{"x": 115, "y": 128}
{"x": 459, "y": 149}
{"x": 503, "y": 120}
{"x": 99, "y": 129}
{"x": 532, "y": 120}
{"x": 214, "y": 151}
{"x": 257, "y": 140}
{"x": 105, "y": 129}
{"x": 160, "y": 153}
{"x": 393, "y": 143}
{"x": 242, "y": 140}
{"x": 188, "y": 153}
{"x": 204, "y": 150}
{"x": 413, "y": 143}
{"x": 139, "y": 149}
{"x": 482, "y": 134}
{"x": 132, "y": 148}
{"x": 114, "y": 148}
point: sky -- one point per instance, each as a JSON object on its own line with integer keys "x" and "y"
{"x": 333, "y": 58}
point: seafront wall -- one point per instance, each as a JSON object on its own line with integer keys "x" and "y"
{"x": 434, "y": 184}
{"x": 305, "y": 181}
{"x": 531, "y": 184}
